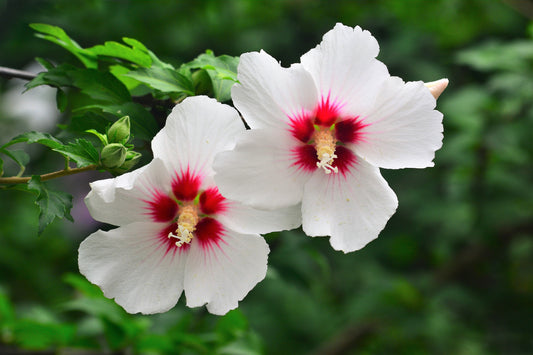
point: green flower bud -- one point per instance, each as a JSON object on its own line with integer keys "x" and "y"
{"x": 113, "y": 155}
{"x": 132, "y": 158}
{"x": 119, "y": 132}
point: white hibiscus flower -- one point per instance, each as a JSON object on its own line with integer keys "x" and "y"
{"x": 320, "y": 132}
{"x": 176, "y": 232}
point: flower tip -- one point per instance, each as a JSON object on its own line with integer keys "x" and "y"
{"x": 437, "y": 87}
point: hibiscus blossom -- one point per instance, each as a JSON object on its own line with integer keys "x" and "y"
{"x": 176, "y": 232}
{"x": 320, "y": 132}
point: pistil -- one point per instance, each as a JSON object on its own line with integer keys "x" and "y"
{"x": 187, "y": 221}
{"x": 325, "y": 150}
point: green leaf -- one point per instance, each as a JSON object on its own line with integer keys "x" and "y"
{"x": 118, "y": 71}
{"x": 515, "y": 56}
{"x": 20, "y": 157}
{"x": 156, "y": 62}
{"x": 164, "y": 79}
{"x": 82, "y": 285}
{"x": 101, "y": 137}
{"x": 231, "y": 325}
{"x": 52, "y": 204}
{"x": 36, "y": 335}
{"x": 1, "y": 167}
{"x": 59, "y": 76}
{"x": 135, "y": 55}
{"x": 45, "y": 63}
{"x": 135, "y": 44}
{"x": 36, "y": 137}
{"x": 7, "y": 313}
{"x": 81, "y": 151}
{"x": 222, "y": 71}
{"x": 102, "y": 86}
{"x": 98, "y": 307}
{"x": 58, "y": 36}
{"x": 61, "y": 100}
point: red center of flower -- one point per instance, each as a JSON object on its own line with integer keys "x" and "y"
{"x": 323, "y": 137}
{"x": 188, "y": 211}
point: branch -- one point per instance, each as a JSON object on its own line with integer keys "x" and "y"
{"x": 49, "y": 176}
{"x": 14, "y": 73}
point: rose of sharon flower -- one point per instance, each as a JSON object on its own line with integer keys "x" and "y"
{"x": 176, "y": 232}
{"x": 320, "y": 132}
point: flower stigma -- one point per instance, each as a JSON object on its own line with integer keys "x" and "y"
{"x": 187, "y": 221}
{"x": 325, "y": 151}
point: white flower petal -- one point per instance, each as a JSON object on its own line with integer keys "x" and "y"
{"x": 119, "y": 201}
{"x": 259, "y": 171}
{"x": 246, "y": 219}
{"x": 352, "y": 209}
{"x": 195, "y": 131}
{"x": 402, "y": 130}
{"x": 269, "y": 94}
{"x": 344, "y": 68}
{"x": 221, "y": 276}
{"x": 132, "y": 266}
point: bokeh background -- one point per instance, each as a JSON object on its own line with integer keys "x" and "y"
{"x": 452, "y": 273}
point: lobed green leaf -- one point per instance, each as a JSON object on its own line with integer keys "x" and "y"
{"x": 222, "y": 71}
{"x": 59, "y": 76}
{"x": 52, "y": 204}
{"x": 102, "y": 86}
{"x": 45, "y": 139}
{"x": 58, "y": 36}
{"x": 164, "y": 79}
{"x": 20, "y": 157}
{"x": 81, "y": 151}
{"x": 137, "y": 55}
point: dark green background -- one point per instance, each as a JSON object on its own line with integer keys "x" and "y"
{"x": 452, "y": 273}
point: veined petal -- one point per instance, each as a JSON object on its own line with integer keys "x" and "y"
{"x": 131, "y": 265}
{"x": 269, "y": 94}
{"x": 123, "y": 200}
{"x": 196, "y": 129}
{"x": 402, "y": 130}
{"x": 345, "y": 68}
{"x": 222, "y": 274}
{"x": 259, "y": 172}
{"x": 352, "y": 209}
{"x": 246, "y": 219}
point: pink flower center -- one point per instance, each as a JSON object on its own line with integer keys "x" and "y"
{"x": 323, "y": 137}
{"x": 189, "y": 211}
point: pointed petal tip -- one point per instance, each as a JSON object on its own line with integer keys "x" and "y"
{"x": 437, "y": 87}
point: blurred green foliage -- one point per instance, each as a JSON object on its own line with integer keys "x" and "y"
{"x": 452, "y": 273}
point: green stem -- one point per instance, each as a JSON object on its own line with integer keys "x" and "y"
{"x": 49, "y": 176}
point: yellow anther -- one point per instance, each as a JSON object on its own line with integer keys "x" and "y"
{"x": 325, "y": 150}
{"x": 187, "y": 221}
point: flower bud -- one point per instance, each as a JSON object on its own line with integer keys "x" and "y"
{"x": 132, "y": 158}
{"x": 119, "y": 132}
{"x": 113, "y": 155}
